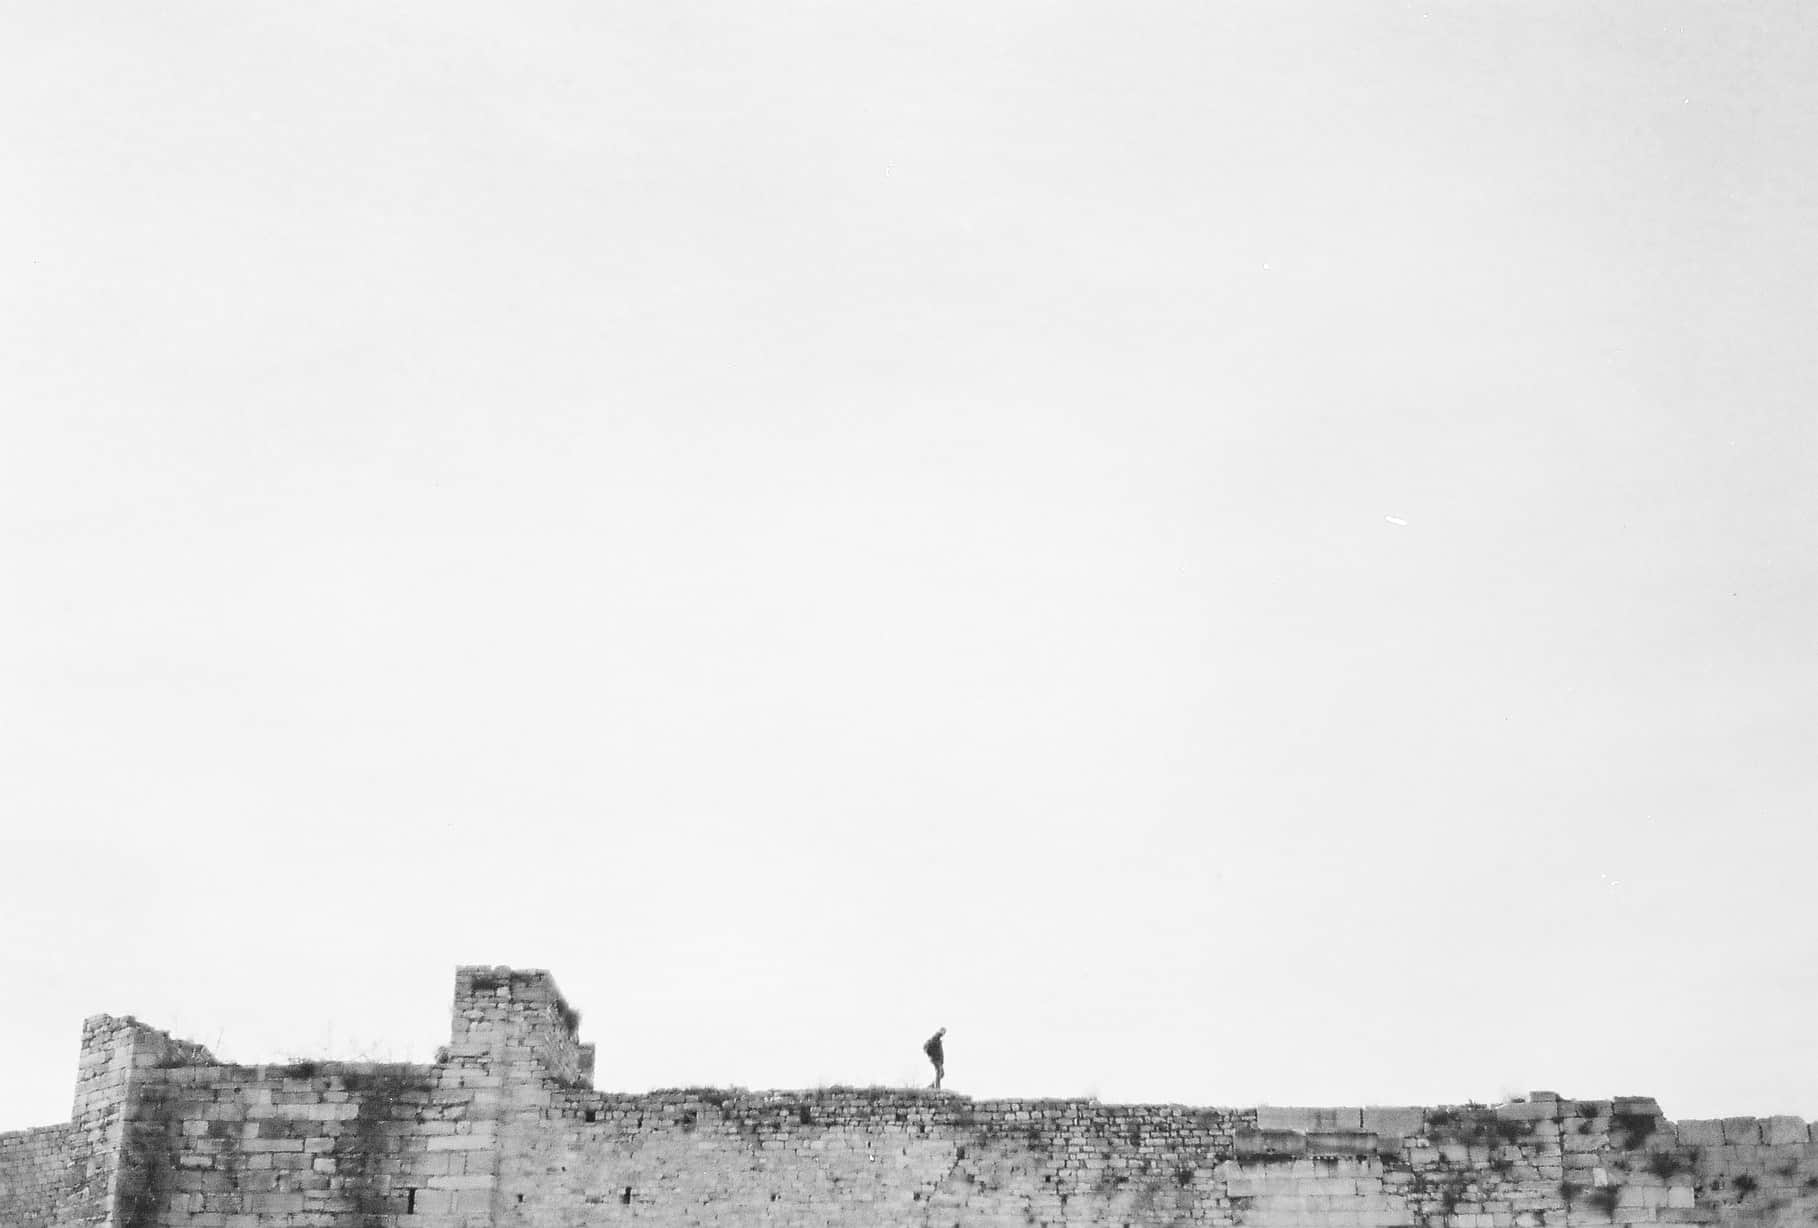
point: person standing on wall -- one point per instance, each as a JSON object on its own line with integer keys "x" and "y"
{"x": 937, "y": 1056}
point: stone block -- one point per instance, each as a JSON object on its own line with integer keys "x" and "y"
{"x": 1259, "y": 1144}
{"x": 1741, "y": 1130}
{"x": 435, "y": 1202}
{"x": 1700, "y": 1133}
{"x": 1392, "y": 1122}
{"x": 275, "y": 1203}
{"x": 1341, "y": 1142}
{"x": 1304, "y": 1119}
{"x": 1533, "y": 1110}
{"x": 1783, "y": 1130}
{"x": 465, "y": 1181}
{"x": 1796, "y": 1159}
{"x": 1259, "y": 1217}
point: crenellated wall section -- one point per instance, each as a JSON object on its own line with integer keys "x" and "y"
{"x": 505, "y": 1129}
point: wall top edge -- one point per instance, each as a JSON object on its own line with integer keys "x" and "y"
{"x": 1317, "y": 1116}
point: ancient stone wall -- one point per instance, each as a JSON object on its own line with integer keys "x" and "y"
{"x": 505, "y": 1131}
{"x": 34, "y": 1168}
{"x": 70, "y": 1173}
{"x": 308, "y": 1144}
{"x": 707, "y": 1157}
{"x": 849, "y": 1155}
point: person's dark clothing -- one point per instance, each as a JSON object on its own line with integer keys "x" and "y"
{"x": 933, "y": 1050}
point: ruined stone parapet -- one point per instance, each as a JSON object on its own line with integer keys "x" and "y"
{"x": 517, "y": 1016}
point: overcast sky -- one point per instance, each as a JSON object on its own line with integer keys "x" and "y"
{"x": 1226, "y": 553}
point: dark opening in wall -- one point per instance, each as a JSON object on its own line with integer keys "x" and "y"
{"x": 591, "y": 1115}
{"x": 626, "y": 1196}
{"x": 804, "y": 1116}
{"x": 410, "y": 1202}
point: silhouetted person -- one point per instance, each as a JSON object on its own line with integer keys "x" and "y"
{"x": 937, "y": 1056}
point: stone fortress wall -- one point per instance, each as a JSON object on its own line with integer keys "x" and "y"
{"x": 505, "y": 1129}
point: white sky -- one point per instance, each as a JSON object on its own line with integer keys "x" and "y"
{"x": 816, "y": 522}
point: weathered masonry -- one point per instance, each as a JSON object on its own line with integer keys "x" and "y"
{"x": 505, "y": 1129}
